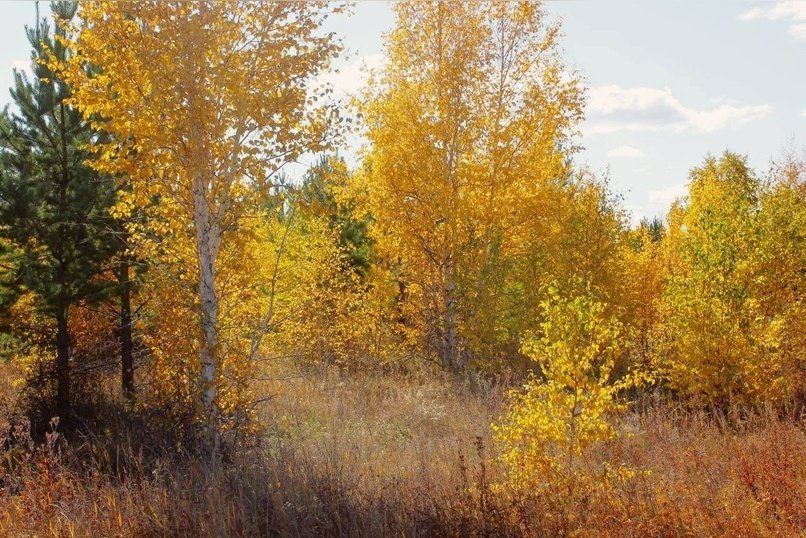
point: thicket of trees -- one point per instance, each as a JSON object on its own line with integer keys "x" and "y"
{"x": 147, "y": 225}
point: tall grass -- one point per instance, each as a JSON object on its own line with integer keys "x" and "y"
{"x": 376, "y": 455}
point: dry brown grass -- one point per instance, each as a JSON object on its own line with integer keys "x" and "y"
{"x": 376, "y": 455}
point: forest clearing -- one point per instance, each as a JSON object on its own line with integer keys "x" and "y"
{"x": 236, "y": 300}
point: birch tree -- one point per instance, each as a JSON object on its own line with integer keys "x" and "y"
{"x": 470, "y": 116}
{"x": 205, "y": 102}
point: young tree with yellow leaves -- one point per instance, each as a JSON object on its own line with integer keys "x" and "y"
{"x": 205, "y": 102}
{"x": 471, "y": 114}
{"x": 556, "y": 418}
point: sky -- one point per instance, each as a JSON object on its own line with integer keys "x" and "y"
{"x": 667, "y": 82}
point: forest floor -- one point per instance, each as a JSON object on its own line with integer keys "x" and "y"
{"x": 374, "y": 454}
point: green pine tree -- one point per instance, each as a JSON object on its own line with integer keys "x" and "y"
{"x": 316, "y": 196}
{"x": 53, "y": 207}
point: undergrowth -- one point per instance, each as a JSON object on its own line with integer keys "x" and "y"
{"x": 377, "y": 455}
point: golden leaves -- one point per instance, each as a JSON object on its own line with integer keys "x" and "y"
{"x": 462, "y": 140}
{"x": 554, "y": 420}
{"x": 724, "y": 306}
{"x": 202, "y": 103}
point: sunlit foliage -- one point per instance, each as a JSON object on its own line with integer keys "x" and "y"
{"x": 728, "y": 309}
{"x": 204, "y": 102}
{"x": 569, "y": 405}
{"x": 468, "y": 120}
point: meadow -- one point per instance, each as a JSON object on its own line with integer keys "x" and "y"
{"x": 384, "y": 454}
{"x": 457, "y": 330}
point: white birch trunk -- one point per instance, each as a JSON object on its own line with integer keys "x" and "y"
{"x": 208, "y": 240}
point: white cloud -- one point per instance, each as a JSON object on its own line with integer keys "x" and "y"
{"x": 664, "y": 197}
{"x": 792, "y": 11}
{"x": 803, "y": 113}
{"x": 798, "y": 31}
{"x": 782, "y": 9}
{"x": 626, "y": 152}
{"x": 351, "y": 78}
{"x": 613, "y": 108}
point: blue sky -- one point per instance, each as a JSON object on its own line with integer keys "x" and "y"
{"x": 669, "y": 82}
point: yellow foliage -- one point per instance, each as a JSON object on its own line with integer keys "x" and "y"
{"x": 559, "y": 415}
{"x": 643, "y": 275}
{"x": 317, "y": 301}
{"x": 30, "y": 331}
{"x": 727, "y": 332}
{"x": 782, "y": 277}
{"x": 466, "y": 124}
{"x": 203, "y": 102}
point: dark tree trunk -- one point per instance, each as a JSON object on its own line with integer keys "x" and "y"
{"x": 62, "y": 331}
{"x": 125, "y": 334}
{"x": 62, "y": 366}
